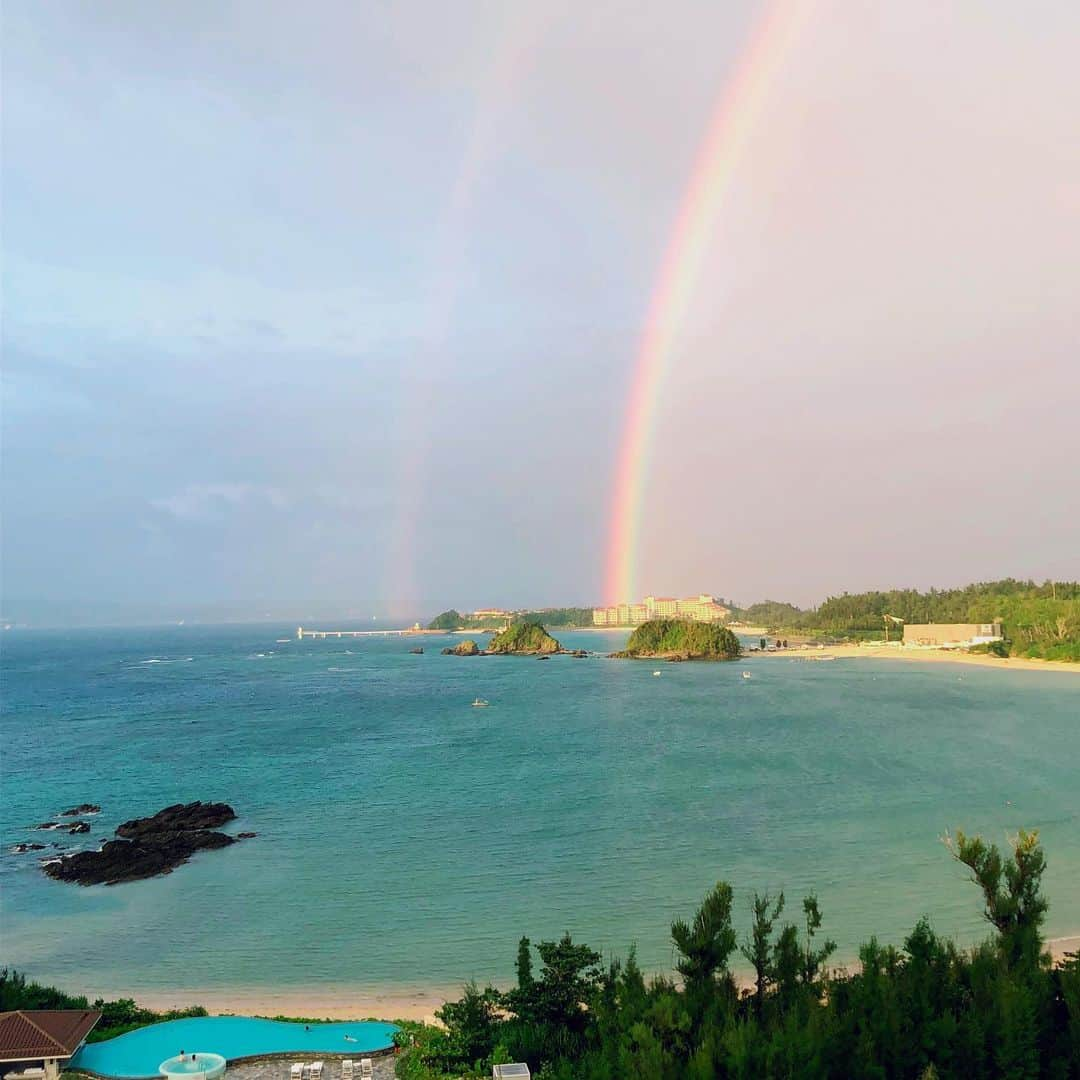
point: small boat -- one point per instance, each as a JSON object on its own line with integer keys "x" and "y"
{"x": 480, "y": 703}
{"x": 747, "y": 675}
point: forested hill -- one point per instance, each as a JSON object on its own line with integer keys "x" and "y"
{"x": 1039, "y": 620}
{"x": 681, "y": 639}
{"x": 563, "y": 616}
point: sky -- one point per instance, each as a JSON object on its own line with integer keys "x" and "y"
{"x": 333, "y": 310}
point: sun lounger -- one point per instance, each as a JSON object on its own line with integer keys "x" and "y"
{"x": 347, "y": 1069}
{"x": 365, "y": 1069}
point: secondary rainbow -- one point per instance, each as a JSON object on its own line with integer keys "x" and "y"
{"x": 721, "y": 150}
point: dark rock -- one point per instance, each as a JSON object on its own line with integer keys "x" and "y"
{"x": 21, "y": 849}
{"x": 246, "y": 835}
{"x": 130, "y": 860}
{"x": 178, "y": 818}
{"x": 468, "y": 647}
{"x": 150, "y": 846}
{"x": 82, "y": 808}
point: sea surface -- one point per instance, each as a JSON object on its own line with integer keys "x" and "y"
{"x": 406, "y": 839}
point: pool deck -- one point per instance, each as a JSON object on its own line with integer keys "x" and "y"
{"x": 277, "y": 1068}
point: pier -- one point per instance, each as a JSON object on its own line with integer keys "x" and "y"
{"x": 302, "y": 633}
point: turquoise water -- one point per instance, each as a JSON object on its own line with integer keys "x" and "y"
{"x": 139, "y": 1053}
{"x": 407, "y": 839}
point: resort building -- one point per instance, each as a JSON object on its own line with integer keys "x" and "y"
{"x": 951, "y": 635}
{"x": 701, "y": 608}
{"x": 36, "y": 1044}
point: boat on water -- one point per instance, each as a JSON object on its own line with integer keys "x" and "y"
{"x": 480, "y": 703}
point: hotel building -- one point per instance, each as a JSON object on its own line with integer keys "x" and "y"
{"x": 703, "y": 608}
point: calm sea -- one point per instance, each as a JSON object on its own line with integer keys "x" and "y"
{"x": 406, "y": 839}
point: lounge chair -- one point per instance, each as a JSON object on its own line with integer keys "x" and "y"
{"x": 347, "y": 1069}
{"x": 365, "y": 1069}
{"x": 296, "y": 1071}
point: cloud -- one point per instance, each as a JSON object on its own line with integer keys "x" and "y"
{"x": 208, "y": 502}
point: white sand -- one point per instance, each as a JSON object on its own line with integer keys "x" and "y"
{"x": 312, "y": 1002}
{"x": 921, "y": 655}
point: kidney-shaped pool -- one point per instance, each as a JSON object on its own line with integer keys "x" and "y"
{"x": 139, "y": 1053}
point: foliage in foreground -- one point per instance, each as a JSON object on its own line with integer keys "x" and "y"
{"x": 117, "y": 1017}
{"x": 683, "y": 638}
{"x": 927, "y": 1009}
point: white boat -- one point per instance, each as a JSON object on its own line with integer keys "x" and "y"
{"x": 480, "y": 703}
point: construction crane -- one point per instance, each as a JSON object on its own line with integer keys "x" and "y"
{"x": 890, "y": 619}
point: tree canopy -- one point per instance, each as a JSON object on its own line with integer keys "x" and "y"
{"x": 682, "y": 638}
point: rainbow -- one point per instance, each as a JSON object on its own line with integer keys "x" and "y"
{"x": 511, "y": 63}
{"x": 721, "y": 150}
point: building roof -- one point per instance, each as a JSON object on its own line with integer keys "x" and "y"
{"x": 44, "y": 1033}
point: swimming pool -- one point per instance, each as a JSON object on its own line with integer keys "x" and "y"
{"x": 139, "y": 1053}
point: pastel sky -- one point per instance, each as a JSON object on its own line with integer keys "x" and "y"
{"x": 332, "y": 309}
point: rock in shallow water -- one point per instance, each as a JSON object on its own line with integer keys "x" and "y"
{"x": 180, "y": 816}
{"x": 149, "y": 846}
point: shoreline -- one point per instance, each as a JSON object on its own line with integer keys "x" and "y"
{"x": 917, "y": 655}
{"x": 375, "y": 1003}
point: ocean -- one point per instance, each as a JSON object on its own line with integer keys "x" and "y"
{"x": 406, "y": 839}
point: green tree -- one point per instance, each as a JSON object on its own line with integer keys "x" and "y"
{"x": 1011, "y": 890}
{"x": 704, "y": 947}
{"x": 758, "y": 947}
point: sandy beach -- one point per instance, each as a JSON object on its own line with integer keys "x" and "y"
{"x": 311, "y": 1002}
{"x": 358, "y": 1003}
{"x": 919, "y": 655}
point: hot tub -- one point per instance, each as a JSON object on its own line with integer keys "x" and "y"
{"x": 193, "y": 1067}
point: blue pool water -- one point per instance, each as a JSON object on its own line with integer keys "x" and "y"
{"x": 139, "y": 1053}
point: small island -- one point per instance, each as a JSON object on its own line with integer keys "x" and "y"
{"x": 680, "y": 639}
{"x": 528, "y": 638}
{"x": 468, "y": 647}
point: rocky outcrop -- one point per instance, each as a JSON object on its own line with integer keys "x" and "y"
{"x": 528, "y": 639}
{"x": 676, "y": 640}
{"x": 64, "y": 826}
{"x": 468, "y": 647}
{"x": 181, "y": 817}
{"x": 148, "y": 846}
{"x": 81, "y": 809}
